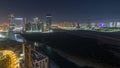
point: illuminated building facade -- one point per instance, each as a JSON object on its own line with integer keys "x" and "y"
{"x": 34, "y": 25}
{"x": 19, "y": 24}
{"x": 11, "y": 22}
{"x": 16, "y": 24}
{"x": 48, "y": 22}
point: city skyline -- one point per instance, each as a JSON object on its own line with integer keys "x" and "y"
{"x": 61, "y": 10}
{"x": 59, "y": 33}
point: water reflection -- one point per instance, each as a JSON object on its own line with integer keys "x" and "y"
{"x": 18, "y": 38}
{"x": 58, "y": 60}
{"x": 36, "y": 44}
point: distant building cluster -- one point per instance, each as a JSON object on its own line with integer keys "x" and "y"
{"x": 34, "y": 25}
{"x": 86, "y": 25}
{"x": 65, "y": 24}
{"x": 4, "y": 27}
{"x": 103, "y": 24}
{"x": 17, "y": 24}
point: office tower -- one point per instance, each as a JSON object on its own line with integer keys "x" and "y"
{"x": 48, "y": 22}
{"x": 78, "y": 25}
{"x": 36, "y": 23}
{"x": 11, "y": 22}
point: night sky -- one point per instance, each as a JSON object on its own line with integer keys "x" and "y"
{"x": 61, "y": 10}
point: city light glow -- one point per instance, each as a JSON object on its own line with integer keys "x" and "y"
{"x": 2, "y": 36}
{"x": 8, "y": 59}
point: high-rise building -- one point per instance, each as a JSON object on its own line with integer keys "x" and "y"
{"x": 36, "y": 20}
{"x": 48, "y": 21}
{"x": 36, "y": 23}
{"x": 11, "y": 22}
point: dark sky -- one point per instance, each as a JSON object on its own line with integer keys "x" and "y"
{"x": 61, "y": 10}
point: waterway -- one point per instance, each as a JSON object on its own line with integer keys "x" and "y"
{"x": 56, "y": 61}
{"x": 53, "y": 55}
{"x": 100, "y": 55}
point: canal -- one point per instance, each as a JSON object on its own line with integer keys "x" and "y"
{"x": 57, "y": 60}
{"x": 60, "y": 61}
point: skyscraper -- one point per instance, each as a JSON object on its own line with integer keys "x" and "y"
{"x": 11, "y": 22}
{"x": 36, "y": 23}
{"x": 48, "y": 21}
